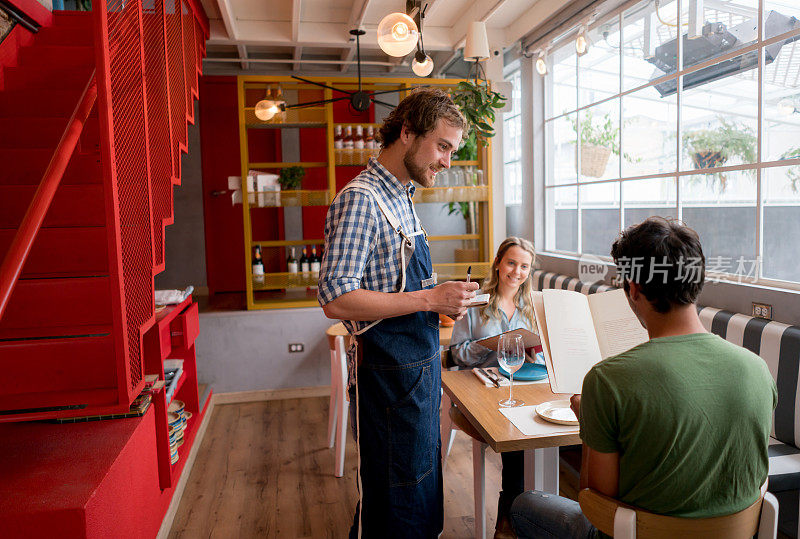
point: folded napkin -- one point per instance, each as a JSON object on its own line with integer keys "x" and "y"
{"x": 502, "y": 379}
{"x": 170, "y": 297}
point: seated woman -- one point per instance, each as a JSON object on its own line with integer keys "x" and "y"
{"x": 510, "y": 307}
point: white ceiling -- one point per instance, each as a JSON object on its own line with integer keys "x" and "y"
{"x": 312, "y": 35}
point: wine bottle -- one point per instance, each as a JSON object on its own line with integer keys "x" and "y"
{"x": 315, "y": 262}
{"x": 338, "y": 144}
{"x": 258, "y": 265}
{"x": 347, "y": 153}
{"x": 291, "y": 262}
{"x": 369, "y": 142}
{"x": 305, "y": 264}
{"x": 358, "y": 146}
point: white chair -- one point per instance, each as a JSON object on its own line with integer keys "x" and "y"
{"x": 338, "y": 413}
{"x": 625, "y": 522}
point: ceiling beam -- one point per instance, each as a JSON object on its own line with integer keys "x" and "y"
{"x": 355, "y": 20}
{"x": 243, "y": 56}
{"x": 228, "y": 19}
{"x": 295, "y": 20}
{"x": 298, "y": 54}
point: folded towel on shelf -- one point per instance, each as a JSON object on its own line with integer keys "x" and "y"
{"x": 169, "y": 297}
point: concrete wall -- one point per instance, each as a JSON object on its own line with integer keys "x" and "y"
{"x": 185, "y": 245}
{"x": 248, "y": 350}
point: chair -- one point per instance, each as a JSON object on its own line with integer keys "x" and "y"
{"x": 338, "y": 412}
{"x": 625, "y": 522}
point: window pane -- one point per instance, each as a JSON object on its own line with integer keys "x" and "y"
{"x": 599, "y": 67}
{"x": 643, "y": 32}
{"x": 781, "y": 222}
{"x": 561, "y": 152}
{"x": 562, "y": 219}
{"x": 599, "y": 129}
{"x": 599, "y": 217}
{"x": 645, "y": 198}
{"x": 780, "y": 21}
{"x": 724, "y": 217}
{"x": 719, "y": 122}
{"x": 512, "y": 188}
{"x": 782, "y": 105}
{"x": 649, "y": 144}
{"x": 562, "y": 81}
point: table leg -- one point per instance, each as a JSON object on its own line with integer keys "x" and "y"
{"x": 541, "y": 469}
{"x": 479, "y": 481}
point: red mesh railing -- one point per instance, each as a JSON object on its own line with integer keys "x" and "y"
{"x": 142, "y": 77}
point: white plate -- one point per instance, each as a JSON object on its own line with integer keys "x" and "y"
{"x": 557, "y": 412}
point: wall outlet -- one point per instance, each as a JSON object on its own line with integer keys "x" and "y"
{"x": 762, "y": 310}
{"x": 296, "y": 347}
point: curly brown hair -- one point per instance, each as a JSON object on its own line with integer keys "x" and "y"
{"x": 419, "y": 112}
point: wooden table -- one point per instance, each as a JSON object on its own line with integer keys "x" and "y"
{"x": 479, "y": 405}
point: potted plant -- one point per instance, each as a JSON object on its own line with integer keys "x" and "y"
{"x": 468, "y": 150}
{"x": 477, "y": 103}
{"x": 290, "y": 179}
{"x": 793, "y": 173}
{"x": 711, "y": 148}
{"x": 598, "y": 141}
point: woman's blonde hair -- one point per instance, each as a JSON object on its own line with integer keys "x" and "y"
{"x": 492, "y": 309}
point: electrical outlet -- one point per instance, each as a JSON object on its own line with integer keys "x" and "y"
{"x": 296, "y": 347}
{"x": 762, "y": 310}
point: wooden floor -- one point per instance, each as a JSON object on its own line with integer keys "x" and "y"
{"x": 264, "y": 470}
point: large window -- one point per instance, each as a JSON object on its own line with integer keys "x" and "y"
{"x": 512, "y": 145}
{"x": 705, "y": 128}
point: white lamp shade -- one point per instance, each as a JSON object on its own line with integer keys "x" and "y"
{"x": 397, "y": 34}
{"x": 266, "y": 109}
{"x": 541, "y": 65}
{"x": 424, "y": 68}
{"x": 477, "y": 46}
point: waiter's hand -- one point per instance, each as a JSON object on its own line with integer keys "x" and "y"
{"x": 575, "y": 405}
{"x": 452, "y": 298}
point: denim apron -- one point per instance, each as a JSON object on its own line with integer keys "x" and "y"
{"x": 398, "y": 383}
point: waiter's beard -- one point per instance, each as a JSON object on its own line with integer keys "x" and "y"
{"x": 418, "y": 173}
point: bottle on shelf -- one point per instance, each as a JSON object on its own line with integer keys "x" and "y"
{"x": 359, "y": 155}
{"x": 369, "y": 142}
{"x": 315, "y": 261}
{"x": 292, "y": 267}
{"x": 305, "y": 265}
{"x": 338, "y": 144}
{"x": 348, "y": 145}
{"x": 258, "y": 266}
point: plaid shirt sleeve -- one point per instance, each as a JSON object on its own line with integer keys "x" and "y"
{"x": 351, "y": 234}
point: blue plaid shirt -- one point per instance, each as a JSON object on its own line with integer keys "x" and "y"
{"x": 361, "y": 249}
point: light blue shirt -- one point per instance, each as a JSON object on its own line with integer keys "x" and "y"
{"x": 464, "y": 349}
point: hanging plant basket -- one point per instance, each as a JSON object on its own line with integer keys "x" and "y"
{"x": 707, "y": 159}
{"x": 594, "y": 159}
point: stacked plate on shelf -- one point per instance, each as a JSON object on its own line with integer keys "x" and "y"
{"x": 176, "y": 420}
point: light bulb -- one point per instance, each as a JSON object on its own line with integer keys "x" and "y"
{"x": 266, "y": 109}
{"x": 397, "y": 34}
{"x": 541, "y": 64}
{"x": 581, "y": 43}
{"x": 423, "y": 68}
{"x": 786, "y": 107}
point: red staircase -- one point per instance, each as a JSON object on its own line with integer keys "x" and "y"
{"x": 70, "y": 337}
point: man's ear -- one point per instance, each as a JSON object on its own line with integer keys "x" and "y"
{"x": 634, "y": 290}
{"x": 406, "y": 135}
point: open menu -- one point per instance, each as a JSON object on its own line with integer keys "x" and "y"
{"x": 578, "y": 331}
{"x": 529, "y": 338}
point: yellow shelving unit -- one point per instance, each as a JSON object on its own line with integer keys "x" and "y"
{"x": 287, "y": 290}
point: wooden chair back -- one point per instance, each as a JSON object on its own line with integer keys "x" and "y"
{"x": 601, "y": 511}
{"x": 333, "y": 332}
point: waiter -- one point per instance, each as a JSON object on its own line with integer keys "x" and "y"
{"x": 377, "y": 277}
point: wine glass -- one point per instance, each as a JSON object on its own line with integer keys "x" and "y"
{"x": 511, "y": 356}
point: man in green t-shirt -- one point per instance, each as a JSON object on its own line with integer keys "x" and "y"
{"x": 678, "y": 425}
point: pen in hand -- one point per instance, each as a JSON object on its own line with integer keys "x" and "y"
{"x": 469, "y": 273}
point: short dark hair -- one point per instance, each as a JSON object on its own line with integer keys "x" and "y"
{"x": 665, "y": 258}
{"x": 419, "y": 112}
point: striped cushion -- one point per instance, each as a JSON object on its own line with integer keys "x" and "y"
{"x": 784, "y": 466}
{"x": 548, "y": 279}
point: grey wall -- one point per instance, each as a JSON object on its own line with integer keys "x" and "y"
{"x": 248, "y": 350}
{"x": 185, "y": 246}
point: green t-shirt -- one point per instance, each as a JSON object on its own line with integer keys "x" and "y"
{"x": 690, "y": 417}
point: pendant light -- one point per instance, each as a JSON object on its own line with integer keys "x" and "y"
{"x": 422, "y": 66}
{"x": 397, "y": 34}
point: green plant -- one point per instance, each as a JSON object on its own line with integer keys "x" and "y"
{"x": 460, "y": 208}
{"x": 477, "y": 103}
{"x": 291, "y": 177}
{"x": 468, "y": 150}
{"x": 602, "y": 133}
{"x": 793, "y": 173}
{"x": 710, "y": 148}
